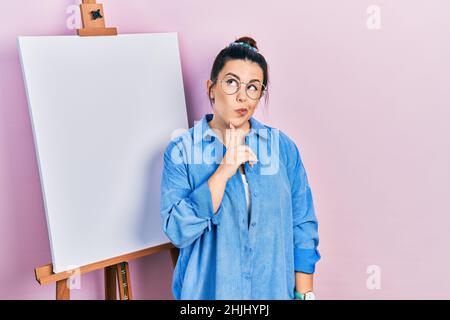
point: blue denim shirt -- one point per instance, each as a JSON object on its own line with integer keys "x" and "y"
{"x": 222, "y": 254}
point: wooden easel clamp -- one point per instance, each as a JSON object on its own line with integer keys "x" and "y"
{"x": 93, "y": 19}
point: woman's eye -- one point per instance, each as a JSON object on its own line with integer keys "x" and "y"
{"x": 253, "y": 87}
{"x": 231, "y": 82}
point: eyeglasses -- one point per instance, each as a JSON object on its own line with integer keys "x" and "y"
{"x": 254, "y": 89}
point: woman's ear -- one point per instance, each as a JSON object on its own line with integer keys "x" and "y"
{"x": 209, "y": 83}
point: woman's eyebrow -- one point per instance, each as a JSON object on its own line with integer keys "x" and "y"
{"x": 234, "y": 75}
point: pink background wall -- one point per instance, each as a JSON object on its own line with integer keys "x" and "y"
{"x": 369, "y": 110}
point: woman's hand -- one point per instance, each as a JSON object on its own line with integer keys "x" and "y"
{"x": 236, "y": 154}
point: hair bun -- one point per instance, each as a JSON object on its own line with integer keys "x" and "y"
{"x": 247, "y": 40}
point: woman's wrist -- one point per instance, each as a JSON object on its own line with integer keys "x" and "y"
{"x": 309, "y": 295}
{"x": 221, "y": 173}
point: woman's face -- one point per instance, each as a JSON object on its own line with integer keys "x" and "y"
{"x": 226, "y": 105}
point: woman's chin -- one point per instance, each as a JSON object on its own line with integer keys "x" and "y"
{"x": 238, "y": 121}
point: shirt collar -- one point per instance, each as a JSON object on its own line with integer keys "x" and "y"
{"x": 202, "y": 126}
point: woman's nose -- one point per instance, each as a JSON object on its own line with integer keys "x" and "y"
{"x": 241, "y": 95}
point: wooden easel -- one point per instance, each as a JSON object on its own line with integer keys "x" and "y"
{"x": 116, "y": 272}
{"x": 93, "y": 20}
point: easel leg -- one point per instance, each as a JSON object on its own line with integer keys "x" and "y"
{"x": 174, "y": 252}
{"x": 110, "y": 283}
{"x": 62, "y": 290}
{"x": 123, "y": 277}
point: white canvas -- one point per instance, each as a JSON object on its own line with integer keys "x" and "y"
{"x": 102, "y": 109}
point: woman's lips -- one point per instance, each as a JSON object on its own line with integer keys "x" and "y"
{"x": 242, "y": 112}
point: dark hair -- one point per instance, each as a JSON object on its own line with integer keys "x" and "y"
{"x": 242, "y": 52}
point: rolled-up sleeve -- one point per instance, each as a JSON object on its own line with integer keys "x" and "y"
{"x": 305, "y": 224}
{"x": 186, "y": 212}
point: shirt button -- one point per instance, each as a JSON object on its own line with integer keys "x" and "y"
{"x": 255, "y": 194}
{"x": 247, "y": 275}
{"x": 253, "y": 224}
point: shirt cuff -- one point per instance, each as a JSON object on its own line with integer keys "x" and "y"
{"x": 201, "y": 200}
{"x": 305, "y": 260}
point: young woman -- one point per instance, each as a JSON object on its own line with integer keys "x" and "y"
{"x": 235, "y": 196}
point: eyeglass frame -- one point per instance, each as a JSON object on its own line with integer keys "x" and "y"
{"x": 239, "y": 88}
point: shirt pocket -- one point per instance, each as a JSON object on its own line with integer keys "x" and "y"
{"x": 276, "y": 195}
